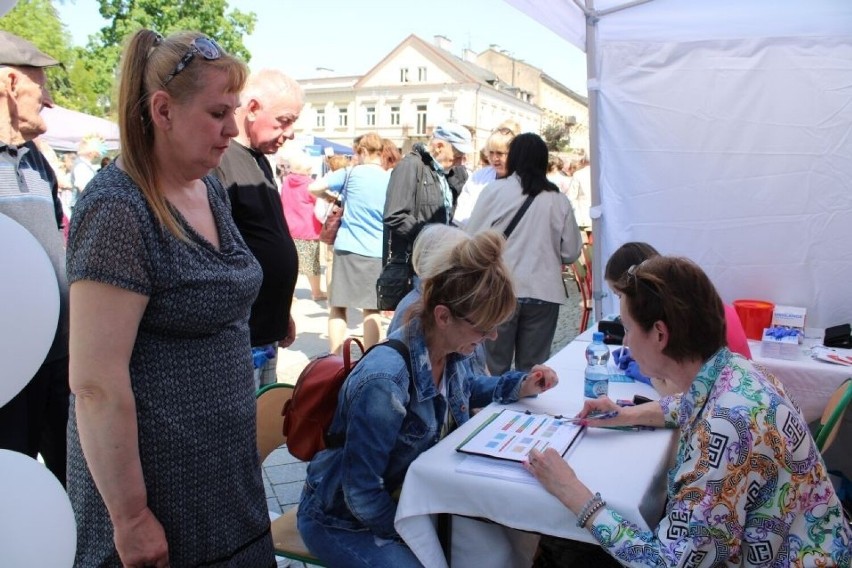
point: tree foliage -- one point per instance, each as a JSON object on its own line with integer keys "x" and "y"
{"x": 38, "y": 22}
{"x": 165, "y": 17}
{"x": 87, "y": 79}
{"x": 557, "y": 135}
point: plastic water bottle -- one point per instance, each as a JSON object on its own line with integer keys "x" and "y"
{"x": 596, "y": 382}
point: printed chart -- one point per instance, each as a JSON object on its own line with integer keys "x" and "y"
{"x": 511, "y": 434}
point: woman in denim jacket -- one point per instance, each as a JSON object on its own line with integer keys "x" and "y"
{"x": 390, "y": 416}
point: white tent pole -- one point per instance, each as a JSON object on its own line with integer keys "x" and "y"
{"x": 594, "y": 151}
{"x": 592, "y": 18}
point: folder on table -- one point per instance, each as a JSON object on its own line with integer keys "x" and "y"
{"x": 511, "y": 434}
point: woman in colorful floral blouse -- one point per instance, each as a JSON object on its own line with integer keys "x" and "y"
{"x": 748, "y": 487}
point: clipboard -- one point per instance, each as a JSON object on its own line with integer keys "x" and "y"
{"x": 511, "y": 434}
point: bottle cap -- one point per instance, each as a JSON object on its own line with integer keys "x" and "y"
{"x": 598, "y": 336}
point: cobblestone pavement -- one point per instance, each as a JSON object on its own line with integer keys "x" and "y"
{"x": 283, "y": 475}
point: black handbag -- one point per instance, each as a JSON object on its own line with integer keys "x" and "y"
{"x": 395, "y": 281}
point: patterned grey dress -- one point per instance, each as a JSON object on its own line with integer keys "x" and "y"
{"x": 191, "y": 375}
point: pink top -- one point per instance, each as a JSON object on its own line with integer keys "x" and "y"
{"x": 298, "y": 204}
{"x": 735, "y": 334}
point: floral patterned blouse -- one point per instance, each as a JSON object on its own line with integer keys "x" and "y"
{"x": 748, "y": 487}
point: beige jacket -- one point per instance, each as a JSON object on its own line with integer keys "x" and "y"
{"x": 546, "y": 237}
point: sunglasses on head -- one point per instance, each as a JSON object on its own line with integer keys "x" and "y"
{"x": 203, "y": 46}
{"x": 634, "y": 279}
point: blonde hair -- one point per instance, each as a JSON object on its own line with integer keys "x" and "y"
{"x": 147, "y": 61}
{"x": 502, "y": 136}
{"x": 370, "y": 143}
{"x": 300, "y": 163}
{"x": 337, "y": 161}
{"x": 475, "y": 284}
{"x": 433, "y": 246}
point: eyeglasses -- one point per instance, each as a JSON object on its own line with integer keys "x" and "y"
{"x": 482, "y": 332}
{"x": 203, "y": 46}
{"x": 504, "y": 131}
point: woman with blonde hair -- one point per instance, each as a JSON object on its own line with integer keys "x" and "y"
{"x": 299, "y": 205}
{"x": 393, "y": 408}
{"x": 497, "y": 151}
{"x": 163, "y": 467}
{"x": 358, "y": 246}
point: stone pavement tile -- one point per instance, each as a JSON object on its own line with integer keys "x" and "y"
{"x": 288, "y": 494}
{"x": 287, "y": 473}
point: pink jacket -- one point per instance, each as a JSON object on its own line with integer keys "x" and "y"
{"x": 298, "y": 204}
{"x": 735, "y": 334}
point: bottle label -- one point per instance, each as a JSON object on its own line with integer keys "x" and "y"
{"x": 596, "y": 386}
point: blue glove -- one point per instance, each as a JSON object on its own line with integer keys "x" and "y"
{"x": 625, "y": 362}
{"x": 634, "y": 373}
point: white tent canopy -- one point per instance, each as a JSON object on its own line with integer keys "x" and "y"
{"x": 722, "y": 131}
{"x": 66, "y": 128}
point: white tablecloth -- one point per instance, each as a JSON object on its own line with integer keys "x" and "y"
{"x": 627, "y": 468}
{"x": 810, "y": 382}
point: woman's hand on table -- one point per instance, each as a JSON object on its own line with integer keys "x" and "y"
{"x": 555, "y": 475}
{"x": 539, "y": 379}
{"x": 648, "y": 414}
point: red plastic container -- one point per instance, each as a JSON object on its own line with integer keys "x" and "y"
{"x": 755, "y": 315}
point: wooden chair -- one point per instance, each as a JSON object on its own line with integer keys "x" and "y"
{"x": 829, "y": 424}
{"x": 285, "y": 536}
{"x": 582, "y": 277}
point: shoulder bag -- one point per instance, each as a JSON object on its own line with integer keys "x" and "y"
{"x": 335, "y": 215}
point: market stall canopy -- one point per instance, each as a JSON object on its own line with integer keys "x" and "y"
{"x": 66, "y": 128}
{"x": 720, "y": 131}
{"x": 335, "y": 147}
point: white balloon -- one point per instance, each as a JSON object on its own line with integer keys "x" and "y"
{"x": 29, "y": 307}
{"x": 6, "y": 5}
{"x": 37, "y": 527}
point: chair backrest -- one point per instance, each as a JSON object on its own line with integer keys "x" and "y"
{"x": 830, "y": 421}
{"x": 270, "y": 403}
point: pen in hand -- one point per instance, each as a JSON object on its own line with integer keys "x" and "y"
{"x": 595, "y": 416}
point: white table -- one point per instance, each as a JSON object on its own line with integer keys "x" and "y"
{"x": 628, "y": 468}
{"x": 810, "y": 382}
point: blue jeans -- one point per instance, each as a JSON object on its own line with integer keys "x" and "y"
{"x": 347, "y": 548}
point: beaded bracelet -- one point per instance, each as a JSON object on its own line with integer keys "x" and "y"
{"x": 589, "y": 509}
{"x": 597, "y": 506}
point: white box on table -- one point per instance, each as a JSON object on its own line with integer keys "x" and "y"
{"x": 789, "y": 316}
{"x": 779, "y": 348}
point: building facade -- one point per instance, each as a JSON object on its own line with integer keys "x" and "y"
{"x": 419, "y": 84}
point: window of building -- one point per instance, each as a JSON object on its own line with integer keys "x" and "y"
{"x": 421, "y": 74}
{"x": 320, "y": 118}
{"x": 394, "y": 116}
{"x": 371, "y": 116}
{"x": 343, "y": 116}
{"x": 403, "y": 75}
{"x": 421, "y": 119}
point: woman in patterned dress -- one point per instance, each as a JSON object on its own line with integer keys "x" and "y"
{"x": 748, "y": 487}
{"x": 163, "y": 467}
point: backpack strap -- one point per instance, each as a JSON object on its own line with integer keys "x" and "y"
{"x": 337, "y": 440}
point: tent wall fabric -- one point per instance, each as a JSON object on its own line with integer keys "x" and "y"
{"x": 725, "y": 135}
{"x": 66, "y": 128}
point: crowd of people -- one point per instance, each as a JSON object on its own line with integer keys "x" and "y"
{"x": 176, "y": 292}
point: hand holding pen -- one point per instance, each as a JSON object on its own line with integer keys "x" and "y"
{"x": 604, "y": 413}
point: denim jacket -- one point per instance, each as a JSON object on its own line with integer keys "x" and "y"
{"x": 390, "y": 419}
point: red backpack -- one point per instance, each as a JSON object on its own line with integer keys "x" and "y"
{"x": 309, "y": 412}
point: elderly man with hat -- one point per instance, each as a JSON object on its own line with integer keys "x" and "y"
{"x": 35, "y": 420}
{"x": 419, "y": 192}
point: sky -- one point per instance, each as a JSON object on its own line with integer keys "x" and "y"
{"x": 297, "y": 36}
